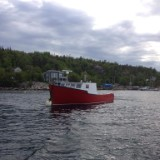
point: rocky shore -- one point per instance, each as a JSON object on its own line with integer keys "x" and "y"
{"x": 28, "y": 86}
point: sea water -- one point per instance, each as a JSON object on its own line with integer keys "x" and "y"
{"x": 128, "y": 129}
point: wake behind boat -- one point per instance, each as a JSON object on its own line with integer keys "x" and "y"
{"x": 65, "y": 93}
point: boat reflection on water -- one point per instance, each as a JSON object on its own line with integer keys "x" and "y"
{"x": 70, "y": 108}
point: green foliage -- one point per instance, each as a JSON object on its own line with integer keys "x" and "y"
{"x": 34, "y": 64}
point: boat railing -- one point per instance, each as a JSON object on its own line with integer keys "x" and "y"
{"x": 77, "y": 85}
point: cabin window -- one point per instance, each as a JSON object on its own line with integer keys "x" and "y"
{"x": 72, "y": 85}
{"x": 78, "y": 86}
{"x": 87, "y": 85}
{"x": 60, "y": 75}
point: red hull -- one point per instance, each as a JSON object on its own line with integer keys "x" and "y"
{"x": 71, "y": 96}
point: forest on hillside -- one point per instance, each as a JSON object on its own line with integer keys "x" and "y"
{"x": 17, "y": 67}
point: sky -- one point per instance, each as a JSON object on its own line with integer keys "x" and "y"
{"x": 121, "y": 31}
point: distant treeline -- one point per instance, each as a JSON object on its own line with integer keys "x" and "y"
{"x": 17, "y": 67}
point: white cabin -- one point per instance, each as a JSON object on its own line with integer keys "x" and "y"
{"x": 86, "y": 86}
{"x": 90, "y": 87}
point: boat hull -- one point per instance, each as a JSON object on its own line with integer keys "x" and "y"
{"x": 70, "y": 96}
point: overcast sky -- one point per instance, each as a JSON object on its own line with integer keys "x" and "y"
{"x": 122, "y": 31}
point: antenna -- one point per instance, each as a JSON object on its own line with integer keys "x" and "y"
{"x": 85, "y": 76}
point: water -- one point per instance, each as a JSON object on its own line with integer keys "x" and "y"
{"x": 128, "y": 129}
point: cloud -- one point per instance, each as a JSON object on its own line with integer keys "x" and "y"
{"x": 155, "y": 5}
{"x": 50, "y": 27}
{"x": 47, "y": 26}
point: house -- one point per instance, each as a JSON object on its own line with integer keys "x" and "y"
{"x": 17, "y": 70}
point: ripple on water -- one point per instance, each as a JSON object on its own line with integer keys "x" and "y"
{"x": 126, "y": 129}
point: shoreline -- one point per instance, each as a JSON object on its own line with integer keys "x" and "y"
{"x": 22, "y": 89}
{"x": 27, "y": 86}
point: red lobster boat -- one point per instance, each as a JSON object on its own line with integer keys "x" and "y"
{"x": 65, "y": 93}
